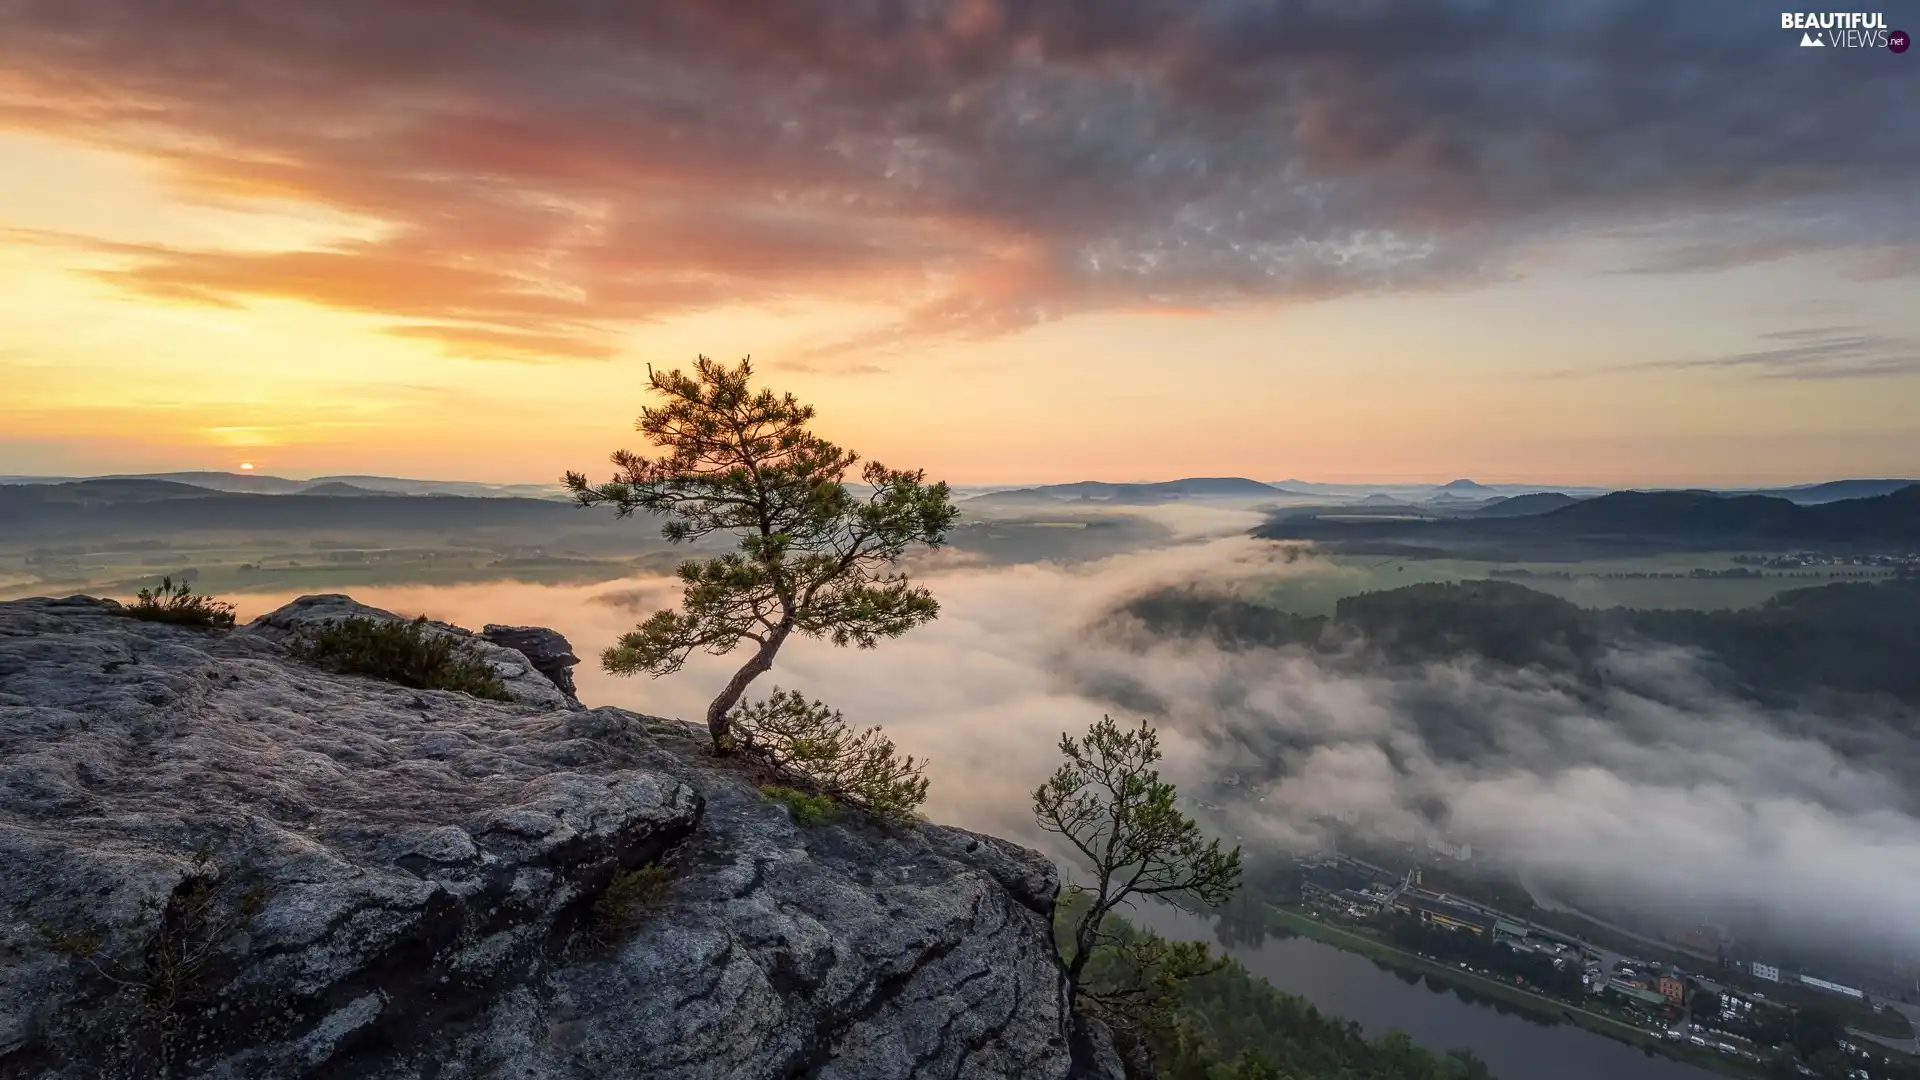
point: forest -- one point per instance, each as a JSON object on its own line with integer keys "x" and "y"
{"x": 1229, "y": 1024}
{"x": 1849, "y": 638}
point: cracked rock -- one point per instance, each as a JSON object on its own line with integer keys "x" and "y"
{"x": 226, "y": 863}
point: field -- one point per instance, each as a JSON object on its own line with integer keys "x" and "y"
{"x": 589, "y": 549}
{"x": 254, "y": 565}
{"x": 1314, "y": 584}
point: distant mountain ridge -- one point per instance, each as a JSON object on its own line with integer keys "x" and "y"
{"x": 131, "y": 506}
{"x": 1193, "y": 487}
{"x": 265, "y": 484}
{"x": 1540, "y": 502}
{"x": 1670, "y": 516}
{"x": 1856, "y": 637}
{"x": 1833, "y": 490}
{"x": 340, "y": 488}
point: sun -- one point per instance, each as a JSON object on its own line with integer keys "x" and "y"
{"x": 246, "y": 466}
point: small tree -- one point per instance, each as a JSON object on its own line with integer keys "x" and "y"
{"x": 814, "y": 558}
{"x": 807, "y": 741}
{"x": 1112, "y": 806}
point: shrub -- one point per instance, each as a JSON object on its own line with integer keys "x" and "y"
{"x": 180, "y": 605}
{"x": 402, "y": 652}
{"x": 806, "y": 741}
{"x": 806, "y": 809}
{"x": 629, "y": 896}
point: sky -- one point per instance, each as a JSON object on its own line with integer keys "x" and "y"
{"x": 1009, "y": 241}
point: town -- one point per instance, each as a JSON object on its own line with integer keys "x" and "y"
{"x": 1755, "y": 1018}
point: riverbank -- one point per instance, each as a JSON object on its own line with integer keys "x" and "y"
{"x": 1298, "y": 922}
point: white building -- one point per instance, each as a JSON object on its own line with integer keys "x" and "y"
{"x": 1766, "y": 971}
{"x": 1832, "y": 987}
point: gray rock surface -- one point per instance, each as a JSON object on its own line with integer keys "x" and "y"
{"x": 222, "y": 862}
{"x": 550, "y": 654}
{"x": 522, "y": 678}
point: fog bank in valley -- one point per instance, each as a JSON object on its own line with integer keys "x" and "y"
{"x": 1653, "y": 788}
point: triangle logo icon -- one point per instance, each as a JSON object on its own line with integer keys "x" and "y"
{"x": 1809, "y": 41}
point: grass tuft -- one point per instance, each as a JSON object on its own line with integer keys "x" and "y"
{"x": 181, "y": 606}
{"x": 807, "y": 809}
{"x": 625, "y": 903}
{"x": 401, "y": 652}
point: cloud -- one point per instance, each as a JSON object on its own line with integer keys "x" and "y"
{"x": 1657, "y": 790}
{"x": 1855, "y": 230}
{"x": 1820, "y": 353}
{"x": 1654, "y": 792}
{"x": 547, "y": 174}
{"x": 1806, "y": 354}
{"x": 810, "y": 367}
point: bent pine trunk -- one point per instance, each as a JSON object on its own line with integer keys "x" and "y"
{"x": 736, "y": 687}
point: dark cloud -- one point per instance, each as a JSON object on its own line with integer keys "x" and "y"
{"x": 545, "y": 172}
{"x": 1820, "y": 353}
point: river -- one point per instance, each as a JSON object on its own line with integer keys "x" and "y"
{"x": 1516, "y": 1045}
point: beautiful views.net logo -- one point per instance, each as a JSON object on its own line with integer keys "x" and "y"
{"x": 1844, "y": 30}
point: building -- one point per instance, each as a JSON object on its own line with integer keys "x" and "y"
{"x": 1638, "y": 994}
{"x": 1332, "y": 879}
{"x": 1766, "y": 971}
{"x": 1832, "y": 987}
{"x": 1439, "y": 911}
{"x": 1672, "y": 989}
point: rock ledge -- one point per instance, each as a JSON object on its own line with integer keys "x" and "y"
{"x": 225, "y": 863}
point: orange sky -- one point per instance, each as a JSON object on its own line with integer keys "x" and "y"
{"x": 432, "y": 269}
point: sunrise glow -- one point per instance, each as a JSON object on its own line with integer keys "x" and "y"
{"x": 467, "y": 275}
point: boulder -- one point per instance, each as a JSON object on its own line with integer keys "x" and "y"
{"x": 548, "y": 652}
{"x": 524, "y": 681}
{"x": 223, "y": 862}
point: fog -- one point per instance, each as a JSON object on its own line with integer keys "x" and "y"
{"x": 1654, "y": 790}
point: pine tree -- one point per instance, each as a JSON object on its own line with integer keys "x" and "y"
{"x": 815, "y": 558}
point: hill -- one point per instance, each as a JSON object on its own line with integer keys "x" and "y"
{"x": 1834, "y": 490}
{"x": 1849, "y": 638}
{"x": 337, "y": 488}
{"x": 1198, "y": 487}
{"x": 19, "y": 499}
{"x": 1700, "y": 514}
{"x": 1626, "y": 520}
{"x": 159, "y": 506}
{"x": 254, "y": 483}
{"x": 1540, "y": 502}
{"x": 1017, "y": 499}
{"x": 1676, "y": 513}
{"x": 396, "y": 485}
{"x": 263, "y": 484}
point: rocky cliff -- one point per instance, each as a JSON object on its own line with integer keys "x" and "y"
{"x": 222, "y": 861}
